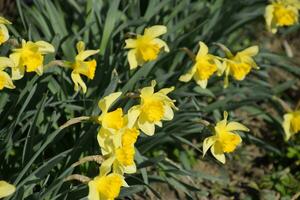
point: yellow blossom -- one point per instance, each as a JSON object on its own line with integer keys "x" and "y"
{"x": 205, "y": 66}
{"x": 154, "y": 107}
{"x": 281, "y": 13}
{"x": 106, "y": 187}
{"x": 5, "y": 79}
{"x": 4, "y": 35}
{"x": 291, "y": 123}
{"x": 82, "y": 67}
{"x": 111, "y": 122}
{"x": 239, "y": 65}
{"x": 6, "y": 189}
{"x": 224, "y": 140}
{"x": 146, "y": 47}
{"x": 29, "y": 57}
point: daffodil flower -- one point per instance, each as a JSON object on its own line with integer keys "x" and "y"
{"x": 29, "y": 57}
{"x": 111, "y": 122}
{"x": 224, "y": 140}
{"x": 106, "y": 186}
{"x": 154, "y": 107}
{"x": 6, "y": 189}
{"x": 239, "y": 65}
{"x": 146, "y": 47}
{"x": 121, "y": 158}
{"x": 82, "y": 67}
{"x": 5, "y": 79}
{"x": 4, "y": 35}
{"x": 281, "y": 13}
{"x": 291, "y": 123}
{"x": 205, "y": 66}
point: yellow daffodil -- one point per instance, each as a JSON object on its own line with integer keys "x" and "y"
{"x": 154, "y": 107}
{"x": 146, "y": 47}
{"x": 111, "y": 122}
{"x": 106, "y": 187}
{"x": 281, "y": 13}
{"x": 291, "y": 123}
{"x": 224, "y": 140}
{"x": 205, "y": 66}
{"x": 6, "y": 189}
{"x": 29, "y": 57}
{"x": 82, "y": 67}
{"x": 4, "y": 35}
{"x": 121, "y": 158}
{"x": 5, "y": 79}
{"x": 239, "y": 65}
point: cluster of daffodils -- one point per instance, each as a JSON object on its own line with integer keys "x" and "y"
{"x": 205, "y": 65}
{"x": 29, "y": 57}
{"x": 119, "y": 133}
{"x": 282, "y": 13}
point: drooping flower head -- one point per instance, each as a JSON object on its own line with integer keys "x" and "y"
{"x": 121, "y": 157}
{"x": 6, "y": 189}
{"x": 146, "y": 47}
{"x": 154, "y": 107}
{"x": 281, "y": 13}
{"x": 238, "y": 65}
{"x": 4, "y": 35}
{"x": 82, "y": 67}
{"x": 111, "y": 122}
{"x": 224, "y": 140}
{"x": 29, "y": 57}
{"x": 291, "y": 123}
{"x": 106, "y": 187}
{"x": 5, "y": 79}
{"x": 205, "y": 66}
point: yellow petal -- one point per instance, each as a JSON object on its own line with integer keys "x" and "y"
{"x": 80, "y": 46}
{"x": 4, "y": 33}
{"x": 207, "y": 143}
{"x": 130, "y": 169}
{"x": 85, "y": 54}
{"x": 146, "y": 127}
{"x": 130, "y": 43}
{"x": 168, "y": 113}
{"x": 45, "y": 47}
{"x": 166, "y": 91}
{"x": 39, "y": 70}
{"x": 161, "y": 44}
{"x": 235, "y": 126}
{"x": 133, "y": 114}
{"x": 131, "y": 56}
{"x": 202, "y": 83}
{"x": 78, "y": 82}
{"x": 6, "y": 189}
{"x": 106, "y": 165}
{"x": 93, "y": 191}
{"x": 6, "y": 62}
{"x": 105, "y": 103}
{"x": 269, "y": 18}
{"x": 4, "y": 21}
{"x": 189, "y": 75}
{"x": 6, "y": 81}
{"x": 155, "y": 31}
{"x": 147, "y": 91}
{"x": 250, "y": 51}
{"x": 216, "y": 150}
{"x": 203, "y": 49}
{"x": 287, "y": 125}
